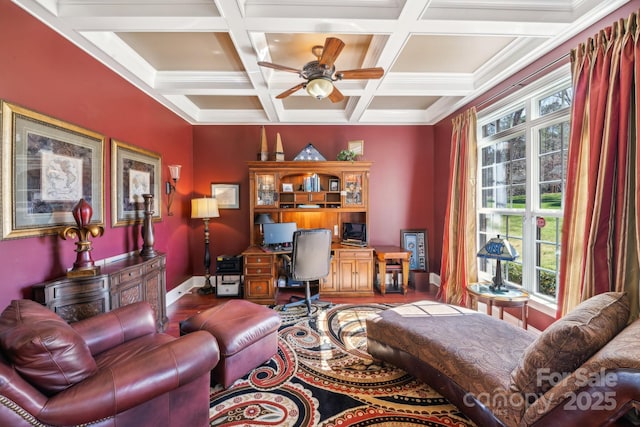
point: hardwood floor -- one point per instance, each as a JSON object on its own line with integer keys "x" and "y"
{"x": 193, "y": 302}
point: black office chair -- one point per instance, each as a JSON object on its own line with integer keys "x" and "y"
{"x": 310, "y": 260}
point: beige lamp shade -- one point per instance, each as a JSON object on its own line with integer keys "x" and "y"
{"x": 205, "y": 207}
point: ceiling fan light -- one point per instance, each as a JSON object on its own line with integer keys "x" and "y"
{"x": 320, "y": 88}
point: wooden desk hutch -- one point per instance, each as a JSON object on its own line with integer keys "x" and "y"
{"x": 324, "y": 194}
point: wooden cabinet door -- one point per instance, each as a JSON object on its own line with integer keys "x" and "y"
{"x": 355, "y": 188}
{"x": 329, "y": 283}
{"x": 75, "y": 299}
{"x": 363, "y": 276}
{"x": 155, "y": 290}
{"x": 266, "y": 190}
{"x": 127, "y": 286}
{"x": 346, "y": 274}
{"x": 258, "y": 288}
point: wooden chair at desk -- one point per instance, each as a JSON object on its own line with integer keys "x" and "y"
{"x": 310, "y": 260}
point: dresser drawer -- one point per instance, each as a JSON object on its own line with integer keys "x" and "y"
{"x": 155, "y": 264}
{"x": 128, "y": 274}
{"x": 62, "y": 289}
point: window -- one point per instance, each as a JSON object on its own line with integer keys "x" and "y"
{"x": 522, "y": 171}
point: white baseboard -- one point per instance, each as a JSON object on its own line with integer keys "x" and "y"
{"x": 184, "y": 288}
{"x": 434, "y": 279}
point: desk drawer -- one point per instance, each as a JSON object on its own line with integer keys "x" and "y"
{"x": 258, "y": 288}
{"x": 254, "y": 260}
{"x": 258, "y": 270}
{"x": 355, "y": 254}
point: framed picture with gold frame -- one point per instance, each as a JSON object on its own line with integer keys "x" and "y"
{"x": 357, "y": 147}
{"x": 48, "y": 165}
{"x": 134, "y": 172}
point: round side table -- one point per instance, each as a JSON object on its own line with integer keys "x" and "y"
{"x": 507, "y": 297}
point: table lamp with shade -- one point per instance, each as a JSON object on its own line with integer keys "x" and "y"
{"x": 500, "y": 250}
{"x": 205, "y": 208}
{"x": 263, "y": 218}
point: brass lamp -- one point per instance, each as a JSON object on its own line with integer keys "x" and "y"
{"x": 205, "y": 208}
{"x": 174, "y": 172}
{"x": 500, "y": 250}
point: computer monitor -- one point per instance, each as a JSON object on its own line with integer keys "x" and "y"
{"x": 354, "y": 231}
{"x": 279, "y": 233}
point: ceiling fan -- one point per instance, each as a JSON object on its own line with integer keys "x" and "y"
{"x": 321, "y": 73}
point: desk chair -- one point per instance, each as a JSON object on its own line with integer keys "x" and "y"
{"x": 310, "y": 260}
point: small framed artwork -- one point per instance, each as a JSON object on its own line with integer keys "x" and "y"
{"x": 416, "y": 242}
{"x": 227, "y": 195}
{"x": 47, "y": 166}
{"x": 134, "y": 172}
{"x": 334, "y": 184}
{"x": 356, "y": 147}
{"x": 287, "y": 187}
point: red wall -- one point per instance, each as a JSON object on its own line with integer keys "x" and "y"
{"x": 402, "y": 182}
{"x": 44, "y": 72}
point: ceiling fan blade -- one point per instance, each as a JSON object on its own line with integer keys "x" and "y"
{"x": 332, "y": 48}
{"x": 362, "y": 73}
{"x": 336, "y": 95}
{"x": 278, "y": 67}
{"x": 290, "y": 91}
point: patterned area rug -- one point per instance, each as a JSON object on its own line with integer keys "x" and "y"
{"x": 322, "y": 375}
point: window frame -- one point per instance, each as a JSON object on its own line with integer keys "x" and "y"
{"x": 529, "y": 97}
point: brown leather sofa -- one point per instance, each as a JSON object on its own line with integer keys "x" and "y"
{"x": 113, "y": 369}
{"x": 583, "y": 370}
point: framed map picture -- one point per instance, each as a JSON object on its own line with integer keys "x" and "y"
{"x": 47, "y": 166}
{"x": 134, "y": 172}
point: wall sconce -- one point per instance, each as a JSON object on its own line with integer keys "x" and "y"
{"x": 174, "y": 171}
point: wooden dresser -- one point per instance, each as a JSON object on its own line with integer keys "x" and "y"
{"x": 120, "y": 283}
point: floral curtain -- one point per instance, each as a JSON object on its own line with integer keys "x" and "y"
{"x": 600, "y": 236}
{"x": 459, "y": 262}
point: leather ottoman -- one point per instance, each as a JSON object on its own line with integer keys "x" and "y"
{"x": 247, "y": 335}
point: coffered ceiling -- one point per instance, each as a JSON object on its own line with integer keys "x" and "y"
{"x": 199, "y": 57}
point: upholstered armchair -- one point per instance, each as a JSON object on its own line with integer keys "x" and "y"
{"x": 113, "y": 369}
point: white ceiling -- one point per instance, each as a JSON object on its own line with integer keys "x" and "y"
{"x": 199, "y": 57}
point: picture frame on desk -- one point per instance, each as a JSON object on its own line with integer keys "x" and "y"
{"x": 416, "y": 242}
{"x": 334, "y": 184}
{"x": 287, "y": 187}
{"x": 227, "y": 195}
{"x": 134, "y": 172}
{"x": 48, "y": 165}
